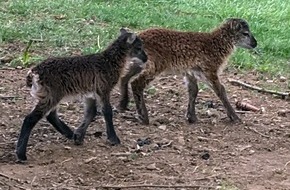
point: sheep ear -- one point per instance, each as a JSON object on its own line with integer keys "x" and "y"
{"x": 131, "y": 38}
{"x": 234, "y": 24}
{"x": 123, "y": 31}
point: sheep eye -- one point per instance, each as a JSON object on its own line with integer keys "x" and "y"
{"x": 139, "y": 49}
{"x": 245, "y": 33}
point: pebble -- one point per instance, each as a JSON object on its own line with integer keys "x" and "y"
{"x": 282, "y": 79}
{"x": 205, "y": 156}
{"x": 152, "y": 167}
{"x": 67, "y": 147}
{"x": 162, "y": 127}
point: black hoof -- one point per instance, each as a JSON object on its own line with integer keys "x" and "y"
{"x": 192, "y": 120}
{"x": 145, "y": 122}
{"x": 78, "y": 139}
{"x": 235, "y": 119}
{"x": 20, "y": 161}
{"x": 142, "y": 120}
{"x": 191, "y": 117}
{"x": 122, "y": 109}
{"x": 20, "y": 158}
{"x": 114, "y": 141}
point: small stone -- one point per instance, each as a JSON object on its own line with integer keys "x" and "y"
{"x": 67, "y": 147}
{"x": 282, "y": 79}
{"x": 91, "y": 21}
{"x": 283, "y": 113}
{"x": 19, "y": 67}
{"x": 205, "y": 156}
{"x": 263, "y": 110}
{"x": 251, "y": 151}
{"x": 151, "y": 166}
{"x": 162, "y": 127}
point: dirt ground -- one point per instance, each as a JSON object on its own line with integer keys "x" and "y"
{"x": 212, "y": 154}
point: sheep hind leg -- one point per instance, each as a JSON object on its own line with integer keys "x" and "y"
{"x": 138, "y": 86}
{"x": 28, "y": 124}
{"x": 192, "y": 89}
{"x": 90, "y": 113}
{"x": 220, "y": 91}
{"x": 58, "y": 124}
{"x": 124, "y": 94}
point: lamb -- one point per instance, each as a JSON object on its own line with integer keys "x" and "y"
{"x": 199, "y": 55}
{"x": 95, "y": 74}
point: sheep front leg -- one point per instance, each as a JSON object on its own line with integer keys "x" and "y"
{"x": 108, "y": 114}
{"x": 124, "y": 100}
{"x": 58, "y": 124}
{"x": 90, "y": 113}
{"x": 192, "y": 89}
{"x": 220, "y": 91}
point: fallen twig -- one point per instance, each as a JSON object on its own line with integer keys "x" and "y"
{"x": 259, "y": 89}
{"x": 154, "y": 186}
{"x": 263, "y": 135}
{"x": 86, "y": 161}
{"x": 31, "y": 184}
{"x": 69, "y": 159}
{"x": 4, "y": 68}
{"x": 10, "y": 178}
{"x": 200, "y": 138}
{"x": 286, "y": 164}
{"x": 241, "y": 112}
{"x": 21, "y": 187}
{"x": 167, "y": 144}
{"x": 121, "y": 154}
{"x": 12, "y": 186}
{"x": 10, "y": 97}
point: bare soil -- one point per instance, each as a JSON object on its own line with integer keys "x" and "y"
{"x": 213, "y": 153}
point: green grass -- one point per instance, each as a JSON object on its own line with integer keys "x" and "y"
{"x": 68, "y": 26}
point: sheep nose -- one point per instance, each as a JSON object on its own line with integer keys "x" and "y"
{"x": 254, "y": 42}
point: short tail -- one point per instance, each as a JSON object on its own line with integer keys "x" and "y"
{"x": 29, "y": 78}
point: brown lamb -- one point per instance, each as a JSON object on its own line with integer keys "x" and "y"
{"x": 200, "y": 55}
{"x": 57, "y": 78}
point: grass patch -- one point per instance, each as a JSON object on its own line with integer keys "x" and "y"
{"x": 86, "y": 26}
